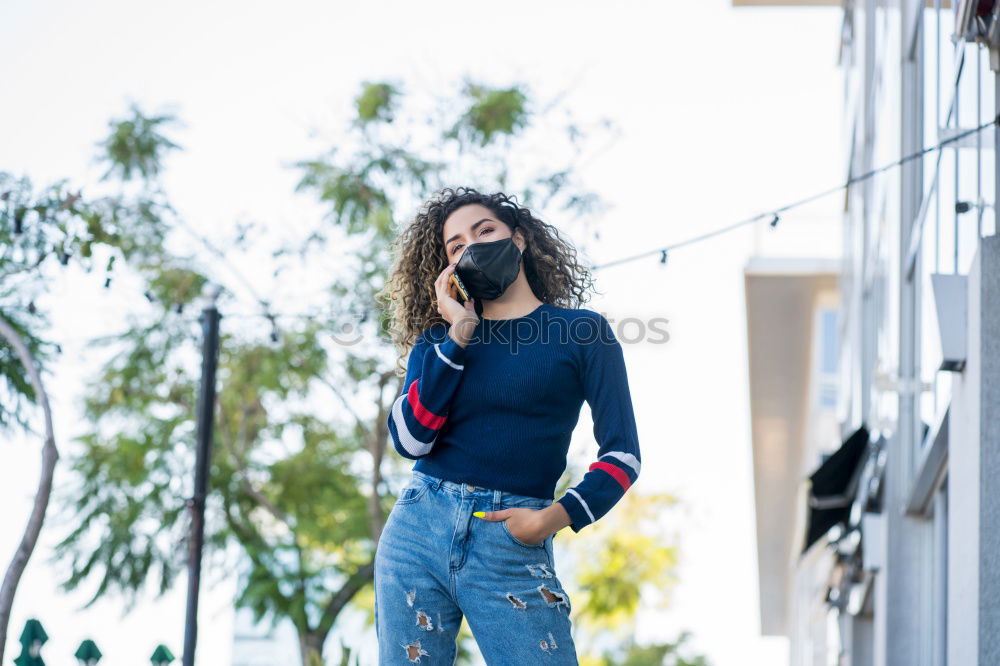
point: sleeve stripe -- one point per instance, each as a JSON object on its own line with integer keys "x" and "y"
{"x": 626, "y": 458}
{"x": 437, "y": 348}
{"x": 426, "y": 417}
{"x": 582, "y": 503}
{"x": 414, "y": 446}
{"x": 619, "y": 474}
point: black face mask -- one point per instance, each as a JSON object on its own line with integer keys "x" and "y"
{"x": 488, "y": 268}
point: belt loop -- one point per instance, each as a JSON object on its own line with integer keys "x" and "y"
{"x": 496, "y": 500}
{"x": 437, "y": 483}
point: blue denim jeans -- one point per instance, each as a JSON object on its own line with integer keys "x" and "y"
{"x": 436, "y": 562}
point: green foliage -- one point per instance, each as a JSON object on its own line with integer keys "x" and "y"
{"x": 175, "y": 284}
{"x": 376, "y": 102}
{"x": 136, "y": 145}
{"x": 354, "y": 197}
{"x": 16, "y": 390}
{"x": 47, "y": 229}
{"x": 491, "y": 112}
{"x": 129, "y": 475}
{"x": 627, "y": 553}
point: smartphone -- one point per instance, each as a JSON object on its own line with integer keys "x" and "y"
{"x": 463, "y": 294}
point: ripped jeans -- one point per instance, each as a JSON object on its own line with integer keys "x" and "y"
{"x": 436, "y": 562}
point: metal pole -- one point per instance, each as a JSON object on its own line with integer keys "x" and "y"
{"x": 206, "y": 403}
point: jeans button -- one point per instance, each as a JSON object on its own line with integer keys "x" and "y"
{"x": 470, "y": 487}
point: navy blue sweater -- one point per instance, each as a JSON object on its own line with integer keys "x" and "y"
{"x": 500, "y": 412}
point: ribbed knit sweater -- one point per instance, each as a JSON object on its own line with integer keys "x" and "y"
{"x": 500, "y": 412}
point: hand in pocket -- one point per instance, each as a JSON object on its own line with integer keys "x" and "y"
{"x": 524, "y": 524}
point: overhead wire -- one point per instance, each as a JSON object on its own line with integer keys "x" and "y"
{"x": 774, "y": 215}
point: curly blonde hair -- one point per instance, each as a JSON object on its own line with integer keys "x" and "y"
{"x": 550, "y": 263}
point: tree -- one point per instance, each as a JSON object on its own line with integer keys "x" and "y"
{"x": 50, "y": 455}
{"x": 630, "y": 565}
{"x": 53, "y": 224}
{"x": 301, "y": 491}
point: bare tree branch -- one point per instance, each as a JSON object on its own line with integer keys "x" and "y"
{"x": 49, "y": 458}
{"x": 241, "y": 467}
{"x": 376, "y": 446}
{"x": 25, "y": 268}
{"x": 347, "y": 406}
{"x": 340, "y": 599}
{"x": 254, "y": 546}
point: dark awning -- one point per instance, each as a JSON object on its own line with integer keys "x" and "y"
{"x": 833, "y": 486}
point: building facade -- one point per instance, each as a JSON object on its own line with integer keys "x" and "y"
{"x": 887, "y": 552}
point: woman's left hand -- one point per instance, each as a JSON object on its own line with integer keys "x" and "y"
{"x": 525, "y": 524}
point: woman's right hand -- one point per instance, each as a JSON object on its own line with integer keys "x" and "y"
{"x": 461, "y": 316}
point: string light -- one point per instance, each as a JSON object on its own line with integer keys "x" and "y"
{"x": 774, "y": 214}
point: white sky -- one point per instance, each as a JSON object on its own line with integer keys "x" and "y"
{"x": 724, "y": 113}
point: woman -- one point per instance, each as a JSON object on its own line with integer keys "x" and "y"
{"x": 493, "y": 390}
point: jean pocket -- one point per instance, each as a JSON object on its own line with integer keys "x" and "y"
{"x": 413, "y": 491}
{"x": 503, "y": 524}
